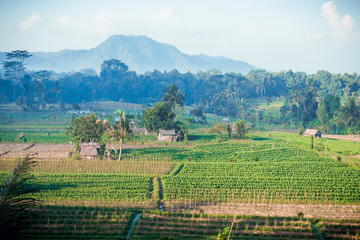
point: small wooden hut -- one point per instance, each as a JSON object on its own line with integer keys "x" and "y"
{"x": 167, "y": 135}
{"x": 312, "y": 132}
{"x": 89, "y": 150}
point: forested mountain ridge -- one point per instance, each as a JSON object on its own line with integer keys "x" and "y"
{"x": 140, "y": 53}
{"x": 325, "y": 99}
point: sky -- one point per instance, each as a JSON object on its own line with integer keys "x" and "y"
{"x": 276, "y": 35}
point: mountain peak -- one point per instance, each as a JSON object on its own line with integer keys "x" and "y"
{"x": 140, "y": 53}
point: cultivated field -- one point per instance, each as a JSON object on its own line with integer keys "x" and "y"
{"x": 269, "y": 186}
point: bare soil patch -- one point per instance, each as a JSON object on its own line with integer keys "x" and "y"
{"x": 355, "y": 138}
{"x": 56, "y": 151}
{"x": 285, "y": 210}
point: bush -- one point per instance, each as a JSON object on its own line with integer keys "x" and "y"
{"x": 338, "y": 159}
{"x": 301, "y": 131}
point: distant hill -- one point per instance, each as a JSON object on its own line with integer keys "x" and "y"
{"x": 140, "y": 53}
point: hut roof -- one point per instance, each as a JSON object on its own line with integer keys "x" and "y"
{"x": 90, "y": 145}
{"x": 311, "y": 131}
{"x": 170, "y": 132}
{"x": 88, "y": 151}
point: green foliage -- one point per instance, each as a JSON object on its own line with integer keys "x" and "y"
{"x": 85, "y": 129}
{"x": 197, "y": 112}
{"x": 224, "y": 234}
{"x": 348, "y": 117}
{"x": 240, "y": 128}
{"x": 328, "y": 106}
{"x": 113, "y": 69}
{"x": 218, "y": 129}
{"x": 301, "y": 130}
{"x": 119, "y": 130}
{"x": 229, "y": 131}
{"x": 173, "y": 96}
{"x": 86, "y": 186}
{"x": 159, "y": 116}
{"x": 15, "y": 204}
{"x": 301, "y": 104}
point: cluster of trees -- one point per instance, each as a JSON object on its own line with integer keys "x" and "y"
{"x": 304, "y": 107}
{"x": 162, "y": 115}
{"x": 226, "y": 94}
{"x": 90, "y": 128}
{"x": 239, "y": 128}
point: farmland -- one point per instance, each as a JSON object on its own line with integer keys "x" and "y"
{"x": 269, "y": 185}
{"x": 263, "y": 182}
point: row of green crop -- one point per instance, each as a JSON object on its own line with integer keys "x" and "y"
{"x": 240, "y": 188}
{"x": 51, "y": 187}
{"x": 231, "y": 152}
{"x": 305, "y": 170}
{"x": 33, "y": 137}
{"x": 329, "y": 181}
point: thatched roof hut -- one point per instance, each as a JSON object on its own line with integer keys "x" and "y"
{"x": 312, "y": 132}
{"x": 89, "y": 150}
{"x": 167, "y": 135}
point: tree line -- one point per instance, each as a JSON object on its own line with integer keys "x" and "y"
{"x": 311, "y": 99}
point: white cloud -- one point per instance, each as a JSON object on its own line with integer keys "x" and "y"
{"x": 30, "y": 22}
{"x": 63, "y": 20}
{"x": 319, "y": 37}
{"x": 339, "y": 24}
{"x": 164, "y": 15}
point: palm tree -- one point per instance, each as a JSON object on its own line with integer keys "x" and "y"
{"x": 15, "y": 209}
{"x": 57, "y": 90}
{"x": 173, "y": 96}
{"x": 349, "y": 114}
{"x": 121, "y": 128}
{"x": 240, "y": 128}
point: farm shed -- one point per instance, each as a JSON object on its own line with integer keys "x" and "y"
{"x": 89, "y": 150}
{"x": 312, "y": 132}
{"x": 167, "y": 135}
{"x": 140, "y": 130}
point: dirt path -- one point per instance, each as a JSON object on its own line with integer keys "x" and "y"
{"x": 355, "y": 138}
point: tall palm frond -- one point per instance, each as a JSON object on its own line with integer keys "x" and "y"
{"x": 173, "y": 96}
{"x": 15, "y": 208}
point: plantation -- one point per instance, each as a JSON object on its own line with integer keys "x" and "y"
{"x": 265, "y": 180}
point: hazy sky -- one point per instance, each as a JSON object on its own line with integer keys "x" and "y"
{"x": 302, "y": 35}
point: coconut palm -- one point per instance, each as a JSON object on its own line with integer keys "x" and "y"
{"x": 240, "y": 128}
{"x": 57, "y": 90}
{"x": 349, "y": 114}
{"x": 15, "y": 209}
{"x": 173, "y": 96}
{"x": 121, "y": 128}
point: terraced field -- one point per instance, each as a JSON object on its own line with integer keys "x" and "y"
{"x": 263, "y": 189}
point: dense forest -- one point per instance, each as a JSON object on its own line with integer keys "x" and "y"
{"x": 322, "y": 99}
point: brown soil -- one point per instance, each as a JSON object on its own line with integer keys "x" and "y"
{"x": 55, "y": 151}
{"x": 355, "y": 138}
{"x": 285, "y": 210}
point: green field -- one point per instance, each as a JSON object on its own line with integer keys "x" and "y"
{"x": 258, "y": 185}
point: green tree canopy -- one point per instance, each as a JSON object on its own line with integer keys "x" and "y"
{"x": 349, "y": 115}
{"x": 120, "y": 130}
{"x": 173, "y": 96}
{"x": 159, "y": 116}
{"x": 85, "y": 129}
{"x": 240, "y": 128}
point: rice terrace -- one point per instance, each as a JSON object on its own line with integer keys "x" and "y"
{"x": 169, "y": 120}
{"x": 268, "y": 185}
